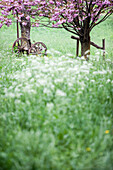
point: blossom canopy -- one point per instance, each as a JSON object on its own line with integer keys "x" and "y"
{"x": 69, "y": 14}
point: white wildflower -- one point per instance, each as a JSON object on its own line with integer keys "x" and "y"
{"x": 58, "y": 81}
{"x": 28, "y": 74}
{"x": 50, "y": 106}
{"x": 23, "y": 63}
{"x": 84, "y": 63}
{"x": 101, "y": 85}
{"x": 17, "y": 101}
{"x": 32, "y": 80}
{"x": 51, "y": 86}
{"x": 27, "y": 102}
{"x": 17, "y": 90}
{"x": 57, "y": 52}
{"x": 69, "y": 54}
{"x": 109, "y": 71}
{"x": 46, "y": 91}
{"x": 82, "y": 88}
{"x": 14, "y": 83}
{"x": 82, "y": 58}
{"x": 41, "y": 82}
{"x": 63, "y": 57}
{"x": 97, "y": 53}
{"x": 11, "y": 87}
{"x": 108, "y": 81}
{"x": 92, "y": 81}
{"x": 60, "y": 93}
{"x": 85, "y": 71}
{"x": 108, "y": 60}
{"x": 61, "y": 69}
{"x": 85, "y": 66}
{"x": 100, "y": 72}
{"x": 10, "y": 94}
{"x": 70, "y": 84}
{"x": 18, "y": 95}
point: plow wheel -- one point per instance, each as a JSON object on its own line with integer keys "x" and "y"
{"x": 21, "y": 45}
{"x": 38, "y": 48}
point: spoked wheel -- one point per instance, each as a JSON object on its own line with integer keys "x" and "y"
{"x": 38, "y": 48}
{"x": 21, "y": 45}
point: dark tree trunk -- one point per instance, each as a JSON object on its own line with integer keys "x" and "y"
{"x": 25, "y": 32}
{"x": 85, "y": 45}
{"x": 85, "y": 39}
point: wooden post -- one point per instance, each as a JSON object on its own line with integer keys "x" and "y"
{"x": 103, "y": 45}
{"x": 77, "y": 48}
{"x": 92, "y": 43}
{"x": 17, "y": 26}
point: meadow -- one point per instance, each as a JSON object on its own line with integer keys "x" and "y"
{"x": 56, "y": 111}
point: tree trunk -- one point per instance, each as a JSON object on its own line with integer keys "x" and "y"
{"x": 85, "y": 38}
{"x": 25, "y": 26}
{"x": 85, "y": 45}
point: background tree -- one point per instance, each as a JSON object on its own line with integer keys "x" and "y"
{"x": 76, "y": 16}
{"x": 19, "y": 10}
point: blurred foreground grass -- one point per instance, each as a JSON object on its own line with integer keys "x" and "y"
{"x": 56, "y": 112}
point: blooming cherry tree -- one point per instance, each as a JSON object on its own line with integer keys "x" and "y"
{"x": 76, "y": 16}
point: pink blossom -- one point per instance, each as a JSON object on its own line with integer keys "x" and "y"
{"x": 51, "y": 2}
{"x": 1, "y": 25}
{"x": 28, "y": 17}
{"x": 37, "y": 24}
{"x": 71, "y": 12}
{"x": 24, "y": 23}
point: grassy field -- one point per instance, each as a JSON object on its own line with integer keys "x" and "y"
{"x": 56, "y": 112}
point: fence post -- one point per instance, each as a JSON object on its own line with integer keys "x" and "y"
{"x": 17, "y": 25}
{"x": 103, "y": 45}
{"x": 77, "y": 48}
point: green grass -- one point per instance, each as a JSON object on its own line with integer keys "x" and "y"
{"x": 56, "y": 112}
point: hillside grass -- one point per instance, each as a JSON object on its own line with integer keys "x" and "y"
{"x": 56, "y": 112}
{"x": 59, "y": 39}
